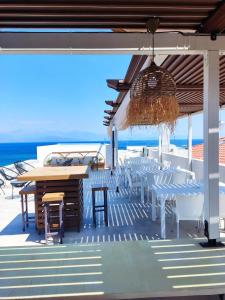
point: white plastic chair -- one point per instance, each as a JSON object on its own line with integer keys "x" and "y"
{"x": 119, "y": 177}
{"x": 166, "y": 164}
{"x": 133, "y": 183}
{"x": 179, "y": 177}
{"x": 190, "y": 208}
{"x": 190, "y": 175}
{"x": 163, "y": 178}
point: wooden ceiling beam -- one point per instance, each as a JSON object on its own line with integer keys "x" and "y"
{"x": 109, "y": 112}
{"x": 118, "y": 6}
{"x": 136, "y": 63}
{"x": 133, "y": 14}
{"x": 186, "y": 59}
{"x": 165, "y": 17}
{"x": 112, "y": 103}
{"x": 75, "y": 23}
{"x": 179, "y": 87}
{"x": 189, "y": 71}
{"x": 215, "y": 22}
{"x": 118, "y": 85}
{"x": 108, "y": 118}
{"x": 190, "y": 104}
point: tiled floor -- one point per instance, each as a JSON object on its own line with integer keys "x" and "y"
{"x": 128, "y": 219}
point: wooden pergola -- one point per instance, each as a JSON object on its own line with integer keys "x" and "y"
{"x": 120, "y": 15}
{"x": 188, "y": 74}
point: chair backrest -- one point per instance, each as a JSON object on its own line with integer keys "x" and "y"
{"x": 166, "y": 164}
{"x": 179, "y": 177}
{"x": 30, "y": 166}
{"x": 163, "y": 178}
{"x": 119, "y": 170}
{"x": 189, "y": 174}
{"x": 6, "y": 176}
{"x": 190, "y": 207}
{"x": 19, "y": 167}
{"x": 129, "y": 178}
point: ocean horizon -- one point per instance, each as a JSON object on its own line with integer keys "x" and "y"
{"x": 12, "y": 152}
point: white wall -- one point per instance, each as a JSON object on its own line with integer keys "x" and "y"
{"x": 197, "y": 164}
{"x": 44, "y": 151}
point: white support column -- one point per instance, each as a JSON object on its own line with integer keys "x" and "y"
{"x": 211, "y": 142}
{"x": 160, "y": 146}
{"x": 113, "y": 149}
{"x": 190, "y": 142}
{"x": 116, "y": 147}
{"x": 165, "y": 138}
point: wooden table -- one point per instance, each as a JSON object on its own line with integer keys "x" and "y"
{"x": 59, "y": 179}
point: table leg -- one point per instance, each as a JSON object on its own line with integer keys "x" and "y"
{"x": 22, "y": 210}
{"x": 153, "y": 206}
{"x": 36, "y": 210}
{"x": 148, "y": 194}
{"x": 26, "y": 209}
{"x": 142, "y": 191}
{"x": 163, "y": 218}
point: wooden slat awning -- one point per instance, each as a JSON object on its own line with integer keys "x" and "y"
{"x": 196, "y": 16}
{"x": 119, "y": 14}
{"x": 188, "y": 73}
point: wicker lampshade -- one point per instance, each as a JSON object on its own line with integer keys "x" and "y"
{"x": 153, "y": 98}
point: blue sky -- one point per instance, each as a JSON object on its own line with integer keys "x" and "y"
{"x": 58, "y": 95}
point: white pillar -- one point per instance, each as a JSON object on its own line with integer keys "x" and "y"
{"x": 116, "y": 147}
{"x": 165, "y": 138}
{"x": 109, "y": 150}
{"x": 160, "y": 146}
{"x": 113, "y": 149}
{"x": 211, "y": 142}
{"x": 190, "y": 142}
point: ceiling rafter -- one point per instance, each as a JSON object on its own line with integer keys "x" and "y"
{"x": 215, "y": 22}
{"x": 118, "y": 14}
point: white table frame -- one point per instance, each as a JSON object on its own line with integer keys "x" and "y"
{"x": 162, "y": 193}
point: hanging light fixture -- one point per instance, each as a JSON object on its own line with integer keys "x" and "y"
{"x": 153, "y": 93}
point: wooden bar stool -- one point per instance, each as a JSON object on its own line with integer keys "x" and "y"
{"x": 24, "y": 192}
{"x": 53, "y": 209}
{"x": 97, "y": 208}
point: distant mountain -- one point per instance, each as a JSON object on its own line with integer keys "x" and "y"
{"x": 22, "y": 136}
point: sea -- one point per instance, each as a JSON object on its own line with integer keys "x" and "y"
{"x": 12, "y": 152}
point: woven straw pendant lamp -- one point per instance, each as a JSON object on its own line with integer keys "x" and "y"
{"x": 153, "y": 94}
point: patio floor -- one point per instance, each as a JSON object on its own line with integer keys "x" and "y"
{"x": 180, "y": 268}
{"x": 128, "y": 219}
